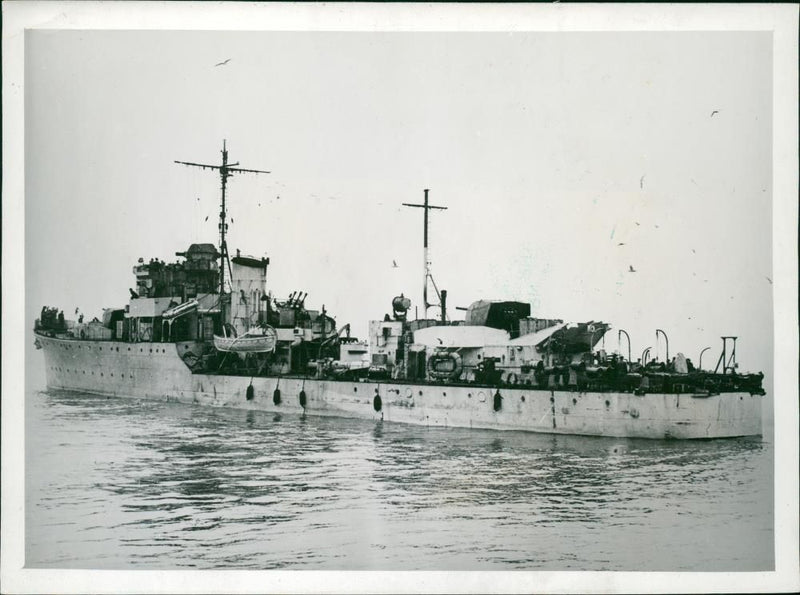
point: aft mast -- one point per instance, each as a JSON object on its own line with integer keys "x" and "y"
{"x": 226, "y": 170}
{"x": 426, "y": 260}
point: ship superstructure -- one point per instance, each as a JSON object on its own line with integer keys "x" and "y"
{"x": 209, "y": 329}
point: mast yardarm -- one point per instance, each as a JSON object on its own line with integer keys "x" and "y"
{"x": 226, "y": 170}
{"x": 426, "y": 260}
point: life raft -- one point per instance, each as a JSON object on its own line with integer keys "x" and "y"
{"x": 444, "y": 366}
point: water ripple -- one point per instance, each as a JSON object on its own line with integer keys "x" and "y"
{"x": 114, "y": 484}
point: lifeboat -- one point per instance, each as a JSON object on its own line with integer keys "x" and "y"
{"x": 259, "y": 340}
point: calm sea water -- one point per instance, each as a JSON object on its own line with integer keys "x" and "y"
{"x": 116, "y": 483}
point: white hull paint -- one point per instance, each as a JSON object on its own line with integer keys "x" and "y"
{"x": 156, "y": 371}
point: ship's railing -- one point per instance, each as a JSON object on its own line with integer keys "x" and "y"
{"x": 567, "y": 377}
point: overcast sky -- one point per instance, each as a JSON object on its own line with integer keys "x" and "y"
{"x": 564, "y": 160}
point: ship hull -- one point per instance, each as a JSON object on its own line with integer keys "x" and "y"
{"x": 156, "y": 371}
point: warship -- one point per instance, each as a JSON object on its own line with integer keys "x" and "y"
{"x": 208, "y": 330}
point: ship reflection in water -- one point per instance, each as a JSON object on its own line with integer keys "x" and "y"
{"x": 115, "y": 483}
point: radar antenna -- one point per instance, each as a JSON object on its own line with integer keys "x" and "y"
{"x": 226, "y": 170}
{"x": 427, "y": 263}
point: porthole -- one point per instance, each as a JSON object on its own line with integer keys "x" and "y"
{"x": 522, "y": 398}
{"x": 574, "y": 401}
{"x": 444, "y": 394}
{"x": 129, "y": 348}
{"x": 420, "y": 393}
{"x": 355, "y": 389}
{"x": 101, "y": 374}
{"x": 469, "y": 395}
{"x": 608, "y": 403}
